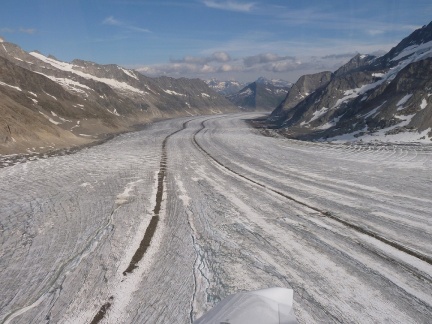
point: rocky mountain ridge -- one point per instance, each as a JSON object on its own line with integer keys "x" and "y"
{"x": 304, "y": 86}
{"x": 263, "y": 94}
{"x": 46, "y": 103}
{"x": 225, "y": 88}
{"x": 385, "y": 98}
{"x": 279, "y": 83}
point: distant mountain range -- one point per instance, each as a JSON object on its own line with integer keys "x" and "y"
{"x": 386, "y": 98}
{"x": 262, "y": 94}
{"x": 46, "y": 103}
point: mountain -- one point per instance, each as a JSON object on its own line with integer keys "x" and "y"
{"x": 263, "y": 94}
{"x": 278, "y": 83}
{"x": 385, "y": 98}
{"x": 46, "y": 103}
{"x": 305, "y": 85}
{"x": 22, "y": 127}
{"x": 225, "y": 87}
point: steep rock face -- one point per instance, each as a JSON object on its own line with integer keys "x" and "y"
{"x": 368, "y": 99}
{"x": 304, "y": 86}
{"x": 246, "y": 97}
{"x": 259, "y": 95}
{"x": 399, "y": 109}
{"x": 30, "y": 105}
{"x": 357, "y": 62}
{"x": 415, "y": 44}
{"x": 322, "y": 108}
{"x": 86, "y": 100}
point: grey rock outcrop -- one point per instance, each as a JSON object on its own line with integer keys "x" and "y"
{"x": 261, "y": 95}
{"x": 369, "y": 99}
{"x": 304, "y": 86}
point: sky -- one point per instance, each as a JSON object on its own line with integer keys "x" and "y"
{"x": 223, "y": 39}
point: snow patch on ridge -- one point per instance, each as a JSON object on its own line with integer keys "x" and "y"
{"x": 385, "y": 135}
{"x": 68, "y": 67}
{"x": 50, "y": 119}
{"x": 171, "y": 92}
{"x": 11, "y": 86}
{"x": 50, "y": 95}
{"x": 329, "y": 124}
{"x": 374, "y": 111}
{"x": 419, "y": 50}
{"x": 403, "y": 102}
{"x": 349, "y": 94}
{"x": 129, "y": 73}
{"x": 69, "y": 84}
{"x": 317, "y": 114}
{"x": 114, "y": 112}
{"x": 247, "y": 92}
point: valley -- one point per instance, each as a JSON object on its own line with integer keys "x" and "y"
{"x": 346, "y": 226}
{"x": 159, "y": 157}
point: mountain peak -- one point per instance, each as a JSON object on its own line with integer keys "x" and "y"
{"x": 50, "y": 56}
{"x": 368, "y": 98}
{"x": 262, "y": 80}
{"x": 356, "y": 62}
{"x": 419, "y": 39}
{"x": 263, "y": 94}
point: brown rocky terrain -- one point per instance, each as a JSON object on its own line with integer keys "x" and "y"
{"x": 48, "y": 104}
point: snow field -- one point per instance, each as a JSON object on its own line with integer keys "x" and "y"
{"x": 240, "y": 211}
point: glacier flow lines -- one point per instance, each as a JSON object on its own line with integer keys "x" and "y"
{"x": 324, "y": 213}
{"x": 151, "y": 228}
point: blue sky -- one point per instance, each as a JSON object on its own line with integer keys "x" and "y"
{"x": 226, "y": 39}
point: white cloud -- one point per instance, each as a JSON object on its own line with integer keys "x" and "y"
{"x": 221, "y": 65}
{"x": 229, "y": 5}
{"x": 264, "y": 58}
{"x": 229, "y": 68}
{"x": 214, "y": 57}
{"x": 111, "y": 21}
{"x": 221, "y": 56}
{"x": 243, "y": 46}
{"x": 283, "y": 66}
{"x": 176, "y": 69}
{"x": 7, "y": 30}
{"x": 385, "y": 28}
{"x": 138, "y": 29}
{"x": 29, "y": 31}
